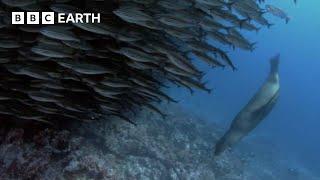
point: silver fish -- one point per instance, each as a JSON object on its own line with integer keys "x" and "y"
{"x": 277, "y": 12}
{"x": 59, "y": 33}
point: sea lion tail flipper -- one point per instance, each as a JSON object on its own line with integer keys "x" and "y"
{"x": 274, "y": 62}
{"x": 218, "y": 149}
{"x": 222, "y": 144}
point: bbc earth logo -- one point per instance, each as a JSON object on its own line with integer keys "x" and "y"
{"x": 53, "y": 18}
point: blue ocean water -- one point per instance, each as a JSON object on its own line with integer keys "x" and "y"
{"x": 294, "y": 124}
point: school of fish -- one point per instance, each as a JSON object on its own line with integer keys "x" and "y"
{"x": 56, "y": 73}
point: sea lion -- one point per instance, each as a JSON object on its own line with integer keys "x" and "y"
{"x": 255, "y": 111}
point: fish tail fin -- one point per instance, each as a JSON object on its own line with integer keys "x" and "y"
{"x": 253, "y": 46}
{"x": 242, "y": 21}
{"x": 191, "y": 91}
{"x": 262, "y": 12}
{"x": 205, "y": 88}
{"x": 269, "y": 25}
{"x": 229, "y": 5}
{"x": 287, "y": 20}
{"x": 274, "y": 63}
{"x": 228, "y": 29}
{"x": 258, "y": 29}
{"x": 234, "y": 68}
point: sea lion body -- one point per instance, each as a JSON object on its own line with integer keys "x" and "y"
{"x": 255, "y": 111}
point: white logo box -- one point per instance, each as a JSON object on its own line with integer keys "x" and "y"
{"x": 32, "y": 17}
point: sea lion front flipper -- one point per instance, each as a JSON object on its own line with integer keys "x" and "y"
{"x": 264, "y": 110}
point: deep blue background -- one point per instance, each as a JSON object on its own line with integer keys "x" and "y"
{"x": 294, "y": 124}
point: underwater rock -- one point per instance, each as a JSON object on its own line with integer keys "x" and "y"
{"x": 173, "y": 148}
{"x": 179, "y": 147}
